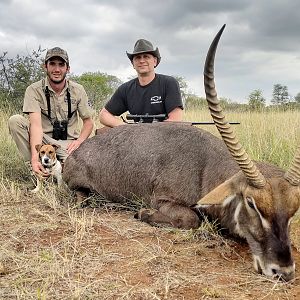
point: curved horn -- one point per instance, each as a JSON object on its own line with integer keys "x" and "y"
{"x": 292, "y": 175}
{"x": 255, "y": 178}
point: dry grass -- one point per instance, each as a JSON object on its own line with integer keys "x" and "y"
{"x": 53, "y": 251}
{"x": 50, "y": 249}
{"x": 270, "y": 136}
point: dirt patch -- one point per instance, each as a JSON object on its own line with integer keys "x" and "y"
{"x": 57, "y": 252}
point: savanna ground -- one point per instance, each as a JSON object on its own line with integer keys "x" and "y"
{"x": 51, "y": 249}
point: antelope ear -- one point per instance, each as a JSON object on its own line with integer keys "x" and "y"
{"x": 223, "y": 191}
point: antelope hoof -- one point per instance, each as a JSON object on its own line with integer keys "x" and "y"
{"x": 144, "y": 214}
{"x": 80, "y": 201}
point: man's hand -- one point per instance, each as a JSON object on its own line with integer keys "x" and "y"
{"x": 86, "y": 130}
{"x": 73, "y": 146}
{"x": 38, "y": 169}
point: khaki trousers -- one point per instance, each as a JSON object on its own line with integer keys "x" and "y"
{"x": 19, "y": 130}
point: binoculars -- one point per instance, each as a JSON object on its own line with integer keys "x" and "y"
{"x": 60, "y": 130}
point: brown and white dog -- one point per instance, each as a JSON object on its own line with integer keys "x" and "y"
{"x": 48, "y": 159}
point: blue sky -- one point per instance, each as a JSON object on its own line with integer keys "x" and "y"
{"x": 259, "y": 47}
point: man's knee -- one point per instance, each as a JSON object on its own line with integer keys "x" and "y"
{"x": 15, "y": 121}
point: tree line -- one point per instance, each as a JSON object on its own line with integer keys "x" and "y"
{"x": 280, "y": 98}
{"x": 16, "y": 73}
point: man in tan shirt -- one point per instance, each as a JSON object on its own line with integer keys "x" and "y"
{"x": 54, "y": 106}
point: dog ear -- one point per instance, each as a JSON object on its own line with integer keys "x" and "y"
{"x": 38, "y": 147}
{"x": 55, "y": 146}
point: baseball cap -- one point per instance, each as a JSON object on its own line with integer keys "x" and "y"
{"x": 58, "y": 52}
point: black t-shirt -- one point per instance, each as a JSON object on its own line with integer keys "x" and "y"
{"x": 160, "y": 96}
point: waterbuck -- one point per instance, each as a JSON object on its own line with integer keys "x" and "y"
{"x": 179, "y": 170}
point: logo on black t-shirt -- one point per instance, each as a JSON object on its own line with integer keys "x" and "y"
{"x": 155, "y": 99}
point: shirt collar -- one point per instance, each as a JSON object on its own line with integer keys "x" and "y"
{"x": 50, "y": 88}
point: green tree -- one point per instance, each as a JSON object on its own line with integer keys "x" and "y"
{"x": 195, "y": 102}
{"x": 280, "y": 94}
{"x": 256, "y": 101}
{"x": 229, "y": 105}
{"x": 297, "y": 98}
{"x": 99, "y": 86}
{"x": 183, "y": 88}
{"x": 16, "y": 74}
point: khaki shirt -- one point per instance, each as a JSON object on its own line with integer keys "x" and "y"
{"x": 35, "y": 101}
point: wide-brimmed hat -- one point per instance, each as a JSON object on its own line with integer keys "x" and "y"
{"x": 144, "y": 46}
{"x": 57, "y": 52}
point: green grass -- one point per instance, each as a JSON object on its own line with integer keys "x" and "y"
{"x": 12, "y": 166}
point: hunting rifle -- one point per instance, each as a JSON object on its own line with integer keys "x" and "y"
{"x": 136, "y": 119}
{"x": 159, "y": 118}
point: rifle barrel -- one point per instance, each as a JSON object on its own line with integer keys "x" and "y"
{"x": 212, "y": 123}
{"x": 161, "y": 117}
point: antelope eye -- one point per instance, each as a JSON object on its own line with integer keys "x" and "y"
{"x": 250, "y": 202}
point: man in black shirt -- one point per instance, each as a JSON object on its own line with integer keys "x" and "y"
{"x": 149, "y": 93}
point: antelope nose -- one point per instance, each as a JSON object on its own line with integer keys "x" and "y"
{"x": 286, "y": 275}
